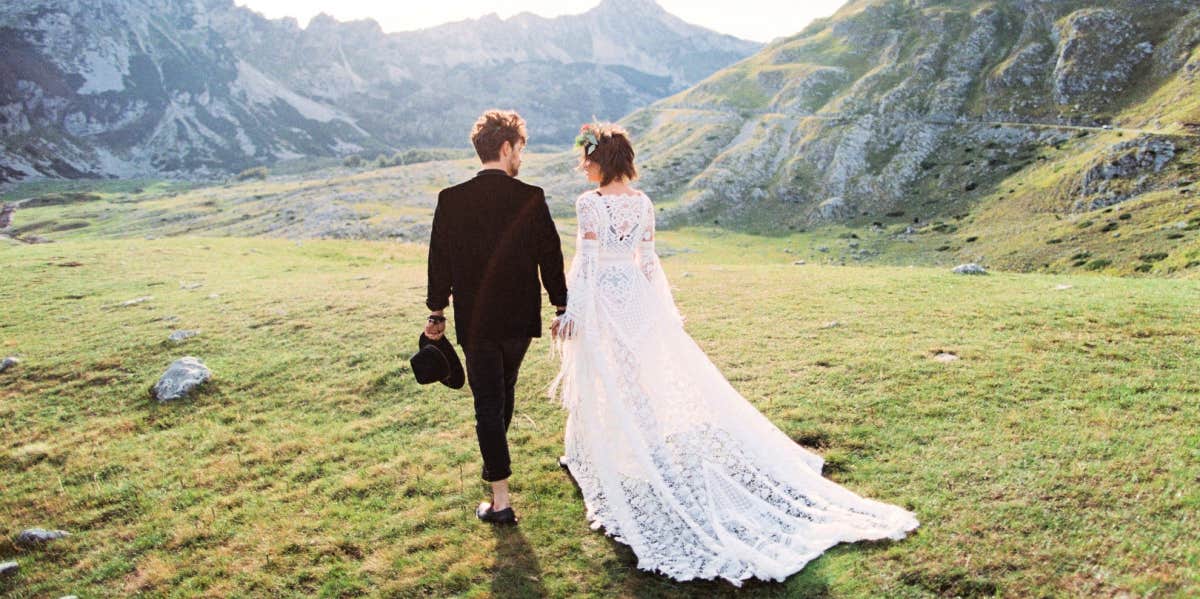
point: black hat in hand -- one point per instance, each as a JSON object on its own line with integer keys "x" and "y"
{"x": 436, "y": 361}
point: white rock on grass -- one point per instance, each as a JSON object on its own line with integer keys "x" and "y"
{"x": 9, "y": 362}
{"x": 37, "y": 536}
{"x": 133, "y": 302}
{"x": 184, "y": 375}
{"x": 9, "y": 569}
{"x": 1063, "y": 287}
{"x": 181, "y": 336}
{"x": 970, "y": 269}
{"x": 945, "y": 357}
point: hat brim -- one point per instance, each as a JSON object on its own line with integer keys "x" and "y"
{"x": 457, "y": 376}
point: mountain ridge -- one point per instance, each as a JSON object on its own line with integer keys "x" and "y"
{"x": 196, "y": 88}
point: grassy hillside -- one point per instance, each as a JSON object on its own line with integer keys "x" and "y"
{"x": 1057, "y": 456}
{"x": 1005, "y": 122}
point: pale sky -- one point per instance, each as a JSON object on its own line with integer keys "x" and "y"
{"x": 759, "y": 20}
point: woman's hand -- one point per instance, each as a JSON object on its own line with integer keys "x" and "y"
{"x": 562, "y": 327}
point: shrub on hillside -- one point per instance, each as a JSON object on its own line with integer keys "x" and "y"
{"x": 258, "y": 172}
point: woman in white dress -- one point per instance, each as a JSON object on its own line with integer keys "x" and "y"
{"x": 670, "y": 459}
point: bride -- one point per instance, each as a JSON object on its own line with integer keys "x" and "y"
{"x": 670, "y": 459}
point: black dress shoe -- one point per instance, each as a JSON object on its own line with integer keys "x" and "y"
{"x": 562, "y": 461}
{"x": 487, "y": 514}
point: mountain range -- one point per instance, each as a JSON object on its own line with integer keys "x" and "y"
{"x": 199, "y": 87}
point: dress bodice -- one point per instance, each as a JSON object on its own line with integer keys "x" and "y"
{"x": 617, "y": 223}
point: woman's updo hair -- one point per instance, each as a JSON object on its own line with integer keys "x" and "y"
{"x": 608, "y": 146}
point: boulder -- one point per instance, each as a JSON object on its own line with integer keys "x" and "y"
{"x": 970, "y": 269}
{"x": 833, "y": 209}
{"x": 181, "y": 336}
{"x": 184, "y": 375}
{"x": 37, "y": 536}
{"x": 8, "y": 362}
{"x": 1123, "y": 172}
{"x": 9, "y": 569}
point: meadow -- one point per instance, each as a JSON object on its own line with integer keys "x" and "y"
{"x": 1059, "y": 455}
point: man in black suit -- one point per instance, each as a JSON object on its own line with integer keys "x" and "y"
{"x": 491, "y": 235}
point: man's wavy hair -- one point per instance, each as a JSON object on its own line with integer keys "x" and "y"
{"x": 612, "y": 152}
{"x": 493, "y": 129}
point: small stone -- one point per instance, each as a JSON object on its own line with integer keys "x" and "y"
{"x": 9, "y": 362}
{"x": 37, "y": 536}
{"x": 214, "y": 295}
{"x": 833, "y": 324}
{"x": 181, "y": 336}
{"x": 1063, "y": 287}
{"x": 9, "y": 569}
{"x": 945, "y": 357}
{"x": 190, "y": 286}
{"x": 823, "y": 249}
{"x": 970, "y": 269}
{"x": 799, "y": 263}
{"x": 184, "y": 375}
{"x": 133, "y": 302}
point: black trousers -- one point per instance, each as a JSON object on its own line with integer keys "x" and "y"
{"x": 492, "y": 374}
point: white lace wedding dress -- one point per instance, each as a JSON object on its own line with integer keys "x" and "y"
{"x": 671, "y": 460}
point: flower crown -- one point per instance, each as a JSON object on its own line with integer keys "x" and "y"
{"x": 588, "y": 138}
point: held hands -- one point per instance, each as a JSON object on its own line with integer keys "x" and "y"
{"x": 562, "y": 327}
{"x": 435, "y": 326}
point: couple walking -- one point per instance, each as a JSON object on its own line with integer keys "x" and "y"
{"x": 670, "y": 459}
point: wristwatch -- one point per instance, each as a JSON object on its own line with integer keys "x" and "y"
{"x": 435, "y": 319}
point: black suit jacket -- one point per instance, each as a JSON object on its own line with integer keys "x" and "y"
{"x": 491, "y": 235}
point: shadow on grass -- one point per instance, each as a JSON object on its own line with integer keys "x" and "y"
{"x": 517, "y": 571}
{"x": 392, "y": 382}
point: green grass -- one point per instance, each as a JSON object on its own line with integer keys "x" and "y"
{"x": 1058, "y": 457}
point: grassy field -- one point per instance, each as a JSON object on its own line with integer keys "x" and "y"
{"x": 1059, "y": 456}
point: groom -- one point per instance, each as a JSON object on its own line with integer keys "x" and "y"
{"x": 491, "y": 235}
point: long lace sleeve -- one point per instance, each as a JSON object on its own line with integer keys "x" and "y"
{"x": 581, "y": 277}
{"x": 651, "y": 266}
{"x": 581, "y": 297}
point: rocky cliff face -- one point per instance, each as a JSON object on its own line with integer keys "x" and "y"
{"x": 137, "y": 87}
{"x": 922, "y": 106}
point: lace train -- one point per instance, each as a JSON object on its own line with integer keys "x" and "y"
{"x": 670, "y": 459}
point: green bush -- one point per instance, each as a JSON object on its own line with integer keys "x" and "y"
{"x": 258, "y": 172}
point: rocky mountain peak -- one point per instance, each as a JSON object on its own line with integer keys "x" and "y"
{"x": 630, "y": 8}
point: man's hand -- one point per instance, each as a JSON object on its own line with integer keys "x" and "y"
{"x": 435, "y": 326}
